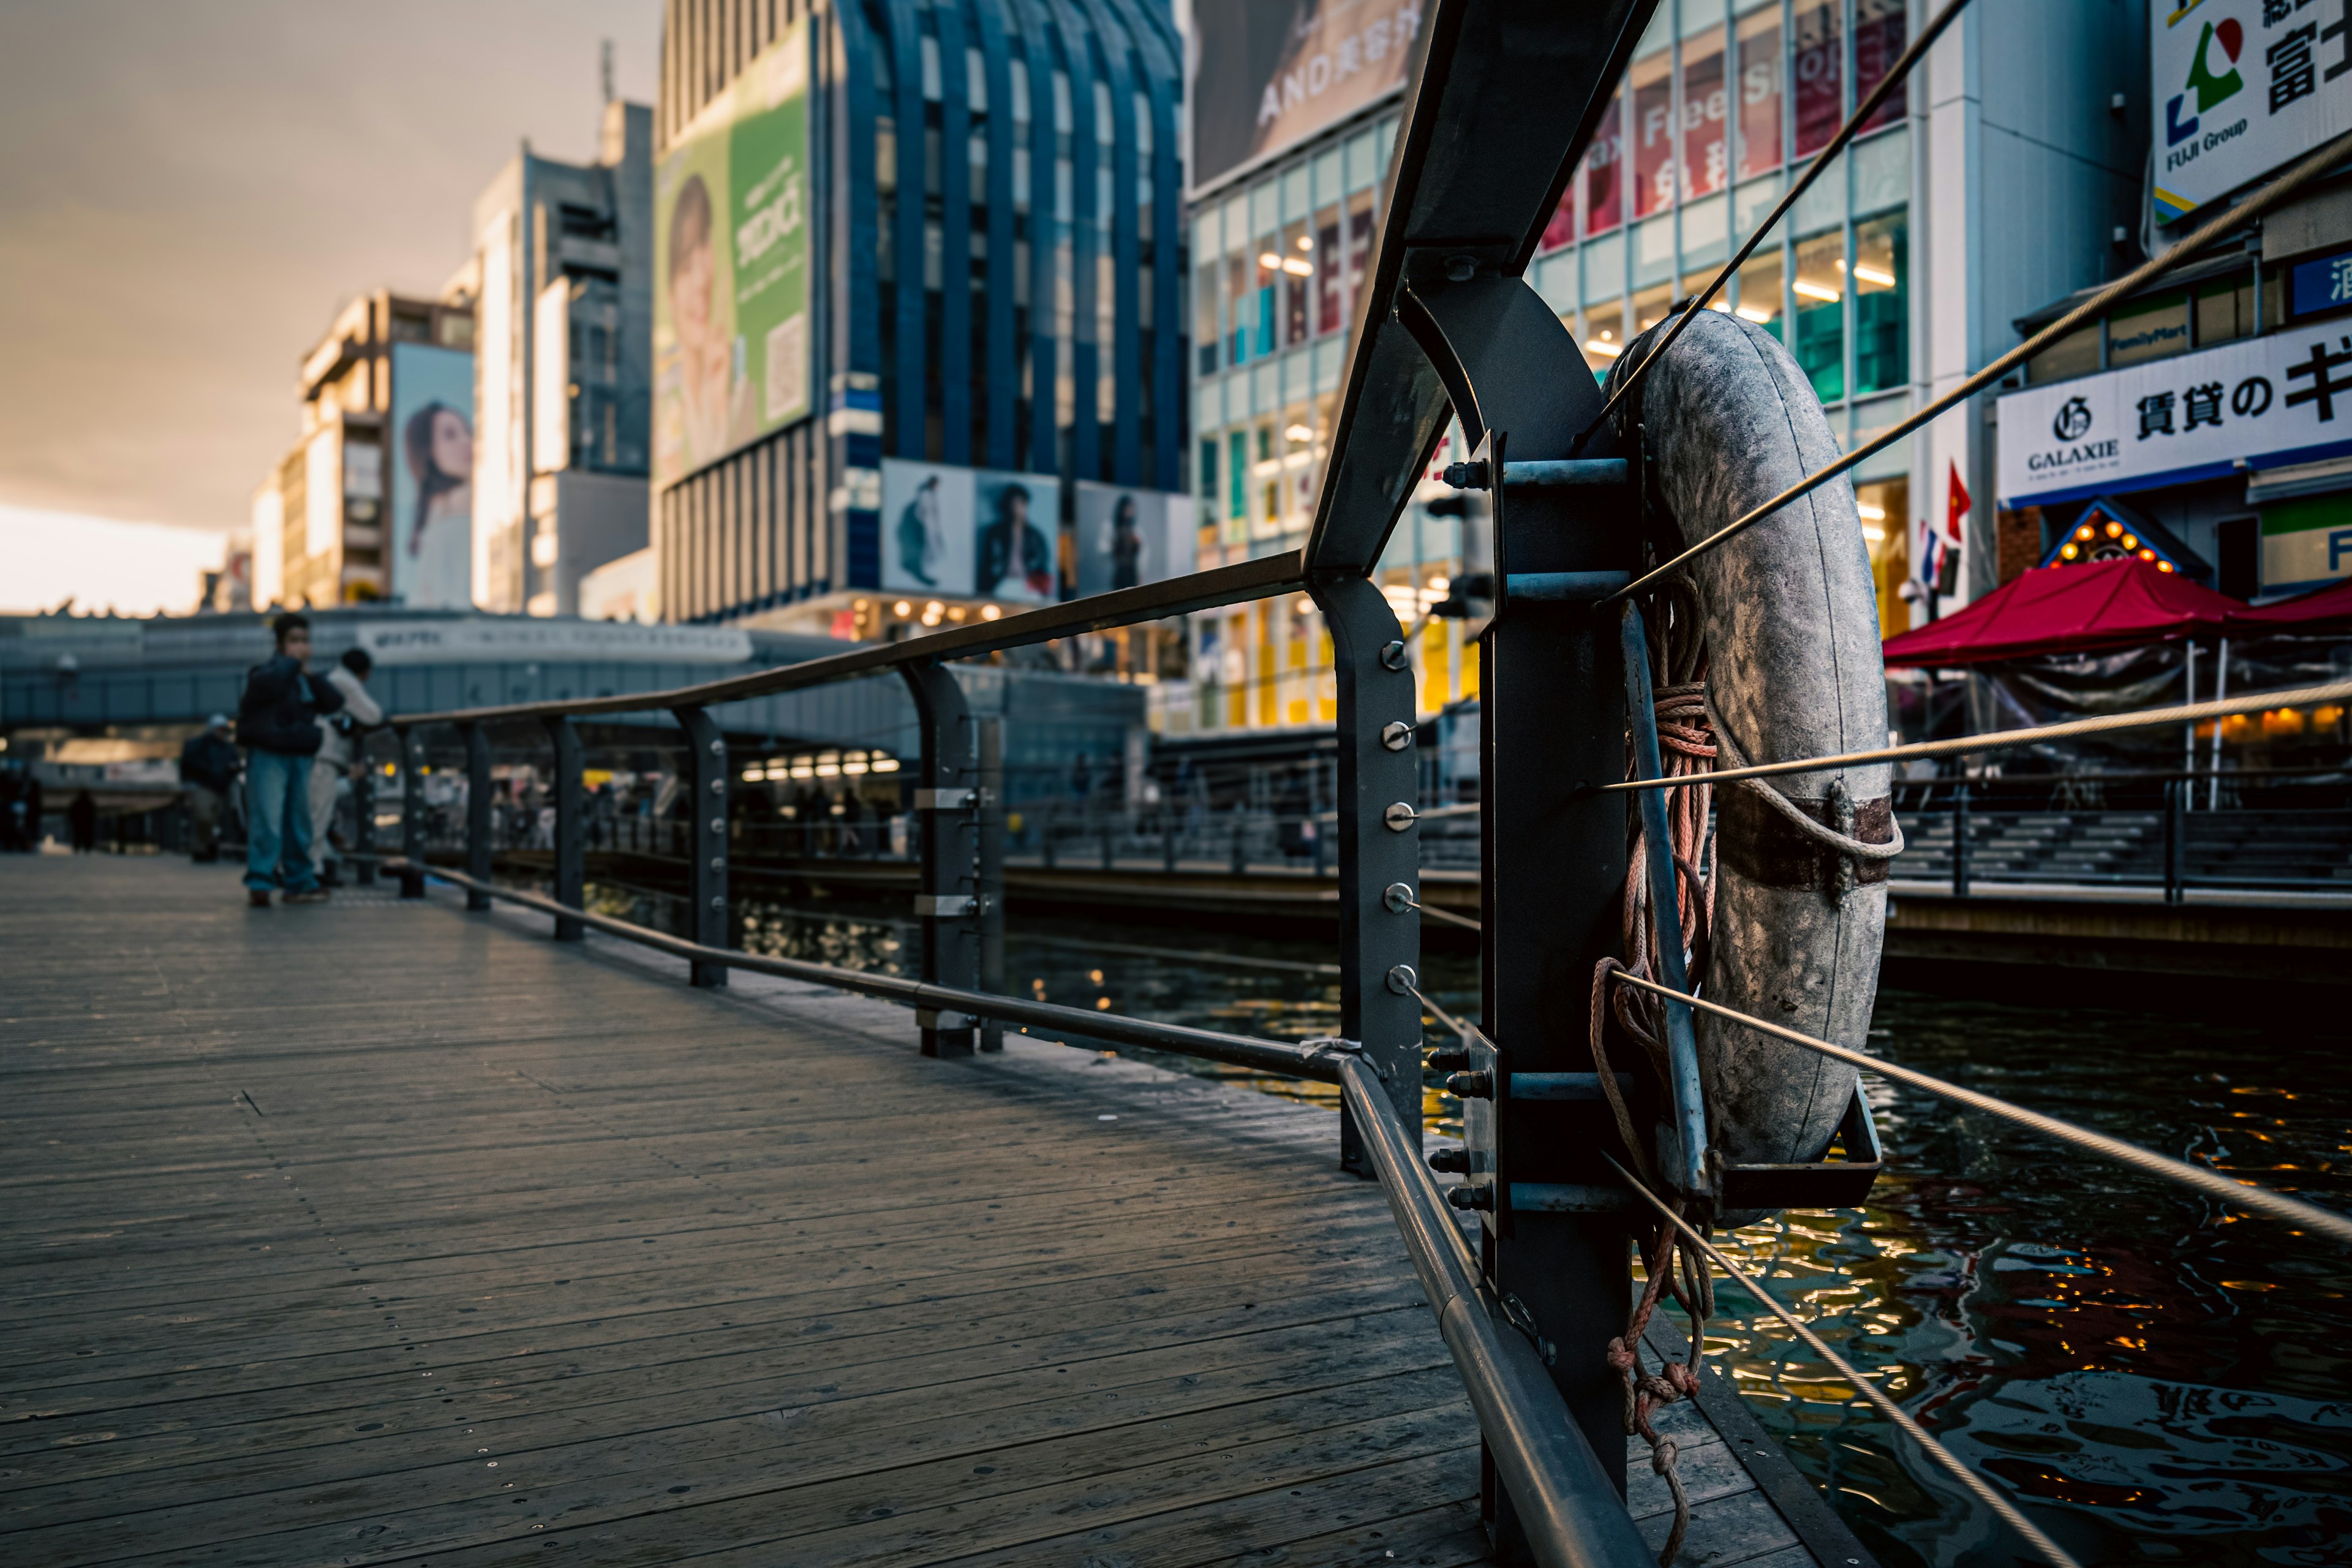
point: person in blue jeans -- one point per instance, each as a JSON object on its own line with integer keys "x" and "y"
{"x": 277, "y": 723}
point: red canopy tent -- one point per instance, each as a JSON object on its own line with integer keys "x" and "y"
{"x": 2327, "y": 609}
{"x": 2069, "y": 609}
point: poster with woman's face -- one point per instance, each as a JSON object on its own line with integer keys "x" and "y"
{"x": 1018, "y": 526}
{"x": 429, "y": 529}
{"x": 1129, "y": 536}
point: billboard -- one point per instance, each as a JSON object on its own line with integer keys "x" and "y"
{"x": 429, "y": 532}
{"x": 971, "y": 532}
{"x": 731, "y": 287}
{"x": 2285, "y": 398}
{"x": 1275, "y": 72}
{"x": 1128, "y": 537}
{"x": 2239, "y": 87}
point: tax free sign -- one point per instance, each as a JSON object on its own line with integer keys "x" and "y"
{"x": 2286, "y": 398}
{"x": 2239, "y": 87}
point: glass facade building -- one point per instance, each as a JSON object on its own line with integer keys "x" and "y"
{"x": 996, "y": 199}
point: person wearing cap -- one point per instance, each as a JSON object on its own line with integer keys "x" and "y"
{"x": 208, "y": 768}
{"x": 338, "y": 749}
{"x": 278, "y": 724}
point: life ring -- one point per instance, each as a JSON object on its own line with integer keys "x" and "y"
{"x": 1787, "y": 643}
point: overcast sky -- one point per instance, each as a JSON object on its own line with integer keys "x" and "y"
{"x": 189, "y": 189}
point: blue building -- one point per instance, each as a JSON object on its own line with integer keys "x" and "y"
{"x": 994, "y": 196}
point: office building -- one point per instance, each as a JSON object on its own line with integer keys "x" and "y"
{"x": 371, "y": 503}
{"x": 918, "y": 349}
{"x": 564, "y": 252}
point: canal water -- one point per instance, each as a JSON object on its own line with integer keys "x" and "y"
{"x": 2157, "y": 1378}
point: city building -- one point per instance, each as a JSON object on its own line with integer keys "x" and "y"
{"x": 917, "y": 338}
{"x": 565, "y": 256}
{"x": 371, "y": 503}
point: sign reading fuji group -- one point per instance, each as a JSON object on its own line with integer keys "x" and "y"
{"x": 2239, "y": 87}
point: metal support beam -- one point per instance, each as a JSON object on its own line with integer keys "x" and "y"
{"x": 706, "y": 838}
{"x": 411, "y": 812}
{"x": 571, "y": 829}
{"x": 947, "y": 898}
{"x": 479, "y": 850}
{"x": 1378, "y": 848}
{"x": 991, "y": 872}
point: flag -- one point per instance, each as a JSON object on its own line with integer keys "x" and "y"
{"x": 1956, "y": 505}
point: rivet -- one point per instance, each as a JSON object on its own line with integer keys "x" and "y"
{"x": 1460, "y": 269}
{"x": 718, "y": 824}
{"x": 1398, "y": 898}
{"x": 719, "y": 903}
{"x": 1403, "y": 978}
{"x": 718, "y": 748}
{"x": 1393, "y": 656}
{"x": 1396, "y": 735}
{"x": 1399, "y": 817}
{"x": 719, "y": 786}
{"x": 718, "y": 862}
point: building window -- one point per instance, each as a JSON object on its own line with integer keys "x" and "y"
{"x": 1878, "y": 40}
{"x": 1758, "y": 296}
{"x": 1651, "y": 307}
{"x": 1882, "y": 297}
{"x": 1330, "y": 282}
{"x": 1297, "y": 283}
{"x": 1821, "y": 313}
{"x": 2148, "y": 329}
{"x": 1650, "y": 87}
{"x": 1605, "y": 194}
{"x": 1821, "y": 75}
{"x": 2077, "y": 353}
{"x": 1759, "y": 90}
{"x": 1706, "y": 154}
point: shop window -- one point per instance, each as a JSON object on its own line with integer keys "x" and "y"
{"x": 2077, "y": 353}
{"x": 1241, "y": 307}
{"x": 1561, "y": 230}
{"x": 1821, "y": 75}
{"x": 1604, "y": 192}
{"x": 1209, "y": 471}
{"x": 1820, "y": 290}
{"x": 1707, "y": 151}
{"x": 1604, "y": 337}
{"x": 1651, "y": 85}
{"x": 1757, "y": 295}
{"x": 1882, "y": 306}
{"x": 1885, "y": 508}
{"x": 1759, "y": 92}
{"x": 1204, "y": 320}
{"x": 1330, "y": 282}
{"x": 1361, "y": 220}
{"x": 1236, "y": 476}
{"x": 2147, "y": 330}
{"x": 1652, "y": 306}
{"x": 1268, "y": 259}
{"x": 1878, "y": 40}
{"x": 1297, "y": 283}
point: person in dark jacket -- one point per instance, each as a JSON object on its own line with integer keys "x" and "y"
{"x": 277, "y": 723}
{"x": 82, "y": 818}
{"x": 208, "y": 764}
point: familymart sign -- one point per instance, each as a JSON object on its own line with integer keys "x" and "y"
{"x": 2267, "y": 402}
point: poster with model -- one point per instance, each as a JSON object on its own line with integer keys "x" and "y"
{"x": 732, "y": 266}
{"x": 1015, "y": 544}
{"x": 928, "y": 538}
{"x": 429, "y": 531}
{"x": 1129, "y": 536}
{"x": 1274, "y": 73}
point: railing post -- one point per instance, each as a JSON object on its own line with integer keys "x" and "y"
{"x": 363, "y": 816}
{"x": 478, "y": 850}
{"x": 2175, "y": 840}
{"x": 1241, "y": 841}
{"x": 706, "y": 839}
{"x": 1960, "y": 840}
{"x": 1378, "y": 848}
{"x": 947, "y": 897}
{"x": 570, "y": 836}
{"x": 992, "y": 873}
{"x": 412, "y": 813}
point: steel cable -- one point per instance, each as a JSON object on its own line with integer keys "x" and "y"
{"x": 1870, "y": 1391}
{"x": 2234, "y": 1190}
{"x": 2261, "y": 202}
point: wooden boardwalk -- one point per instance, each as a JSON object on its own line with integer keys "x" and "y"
{"x": 374, "y": 1233}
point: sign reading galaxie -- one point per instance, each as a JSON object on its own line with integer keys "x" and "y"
{"x": 2241, "y": 87}
{"x": 2286, "y": 398}
{"x": 731, "y": 341}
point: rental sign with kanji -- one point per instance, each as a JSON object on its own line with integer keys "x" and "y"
{"x": 2285, "y": 398}
{"x": 2241, "y": 87}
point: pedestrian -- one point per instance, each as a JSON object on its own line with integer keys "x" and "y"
{"x": 208, "y": 764}
{"x": 338, "y": 747}
{"x": 11, "y": 808}
{"x": 278, "y": 724}
{"x": 82, "y": 818}
{"x": 853, "y": 823}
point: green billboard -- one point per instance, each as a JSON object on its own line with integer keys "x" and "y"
{"x": 731, "y": 290}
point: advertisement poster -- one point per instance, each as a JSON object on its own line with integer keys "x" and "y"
{"x": 2286, "y": 398}
{"x": 1018, "y": 520}
{"x": 2239, "y": 87}
{"x": 1128, "y": 537}
{"x": 731, "y": 340}
{"x": 1275, "y": 72}
{"x": 927, "y": 528}
{"x": 429, "y": 531}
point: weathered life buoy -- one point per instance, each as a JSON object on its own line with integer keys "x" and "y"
{"x": 1792, "y": 659}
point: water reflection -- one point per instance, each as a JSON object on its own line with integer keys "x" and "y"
{"x": 2157, "y": 1379}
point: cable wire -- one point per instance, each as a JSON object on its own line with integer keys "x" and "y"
{"x": 2233, "y": 1190}
{"x": 2253, "y": 207}
{"x": 1977, "y": 1485}
{"x": 1813, "y": 170}
{"x": 2012, "y": 740}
